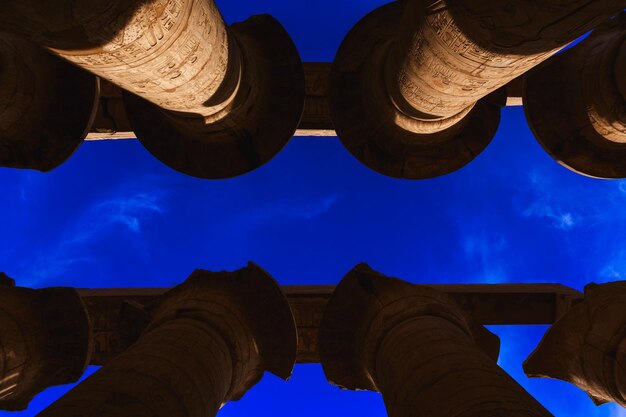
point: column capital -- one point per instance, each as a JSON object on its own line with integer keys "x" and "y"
{"x": 365, "y": 306}
{"x": 241, "y": 305}
{"x": 587, "y": 346}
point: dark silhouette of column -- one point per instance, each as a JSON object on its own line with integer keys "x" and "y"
{"x": 576, "y": 103}
{"x": 46, "y": 106}
{"x": 415, "y": 84}
{"x": 587, "y": 346}
{"x": 208, "y": 100}
{"x": 45, "y": 340}
{"x": 413, "y": 344}
{"x": 209, "y": 340}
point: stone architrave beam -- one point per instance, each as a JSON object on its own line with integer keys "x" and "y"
{"x": 485, "y": 303}
{"x": 206, "y": 99}
{"x": 415, "y": 86}
{"x": 207, "y": 341}
{"x": 414, "y": 345}
{"x": 587, "y": 346}
{"x": 576, "y": 103}
{"x": 45, "y": 340}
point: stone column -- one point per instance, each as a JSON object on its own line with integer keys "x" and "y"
{"x": 209, "y": 340}
{"x": 576, "y": 103}
{"x": 587, "y": 346}
{"x": 46, "y": 106}
{"x": 414, "y": 86}
{"x": 45, "y": 340}
{"x": 208, "y": 100}
{"x": 412, "y": 344}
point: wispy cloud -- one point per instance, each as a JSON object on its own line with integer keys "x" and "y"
{"x": 548, "y": 204}
{"x": 124, "y": 212}
{"x": 483, "y": 252}
{"x": 293, "y": 209}
{"x": 576, "y": 205}
{"x": 591, "y": 214}
{"x": 615, "y": 268}
{"x": 617, "y": 411}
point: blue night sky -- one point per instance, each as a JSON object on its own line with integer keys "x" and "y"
{"x": 113, "y": 216}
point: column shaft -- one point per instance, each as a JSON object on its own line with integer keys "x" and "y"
{"x": 208, "y": 100}
{"x": 576, "y": 103}
{"x": 45, "y": 340}
{"x": 46, "y": 106}
{"x": 412, "y": 344}
{"x": 428, "y": 364}
{"x": 173, "y": 53}
{"x": 207, "y": 342}
{"x": 451, "y": 53}
{"x": 415, "y": 85}
{"x": 182, "y": 368}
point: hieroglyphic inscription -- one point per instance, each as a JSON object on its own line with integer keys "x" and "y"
{"x": 173, "y": 53}
{"x": 447, "y": 69}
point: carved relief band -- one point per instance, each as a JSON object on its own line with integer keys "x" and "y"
{"x": 209, "y": 100}
{"x": 416, "y": 86}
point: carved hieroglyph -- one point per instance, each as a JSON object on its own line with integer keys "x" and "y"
{"x": 45, "y": 340}
{"x": 208, "y": 341}
{"x": 412, "y": 344}
{"x": 576, "y": 103}
{"x": 46, "y": 106}
{"x": 587, "y": 347}
{"x": 415, "y": 84}
{"x": 452, "y": 53}
{"x": 199, "y": 82}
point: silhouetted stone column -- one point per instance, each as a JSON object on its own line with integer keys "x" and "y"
{"x": 207, "y": 100}
{"x": 412, "y": 83}
{"x": 576, "y": 103}
{"x": 209, "y": 340}
{"x": 46, "y": 106}
{"x": 45, "y": 340}
{"x": 413, "y": 344}
{"x": 587, "y": 346}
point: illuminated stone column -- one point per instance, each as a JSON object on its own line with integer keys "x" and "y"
{"x": 413, "y": 345}
{"x": 414, "y": 86}
{"x": 208, "y": 100}
{"x": 576, "y": 103}
{"x": 209, "y": 340}
{"x": 45, "y": 340}
{"x": 587, "y": 346}
{"x": 46, "y": 106}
